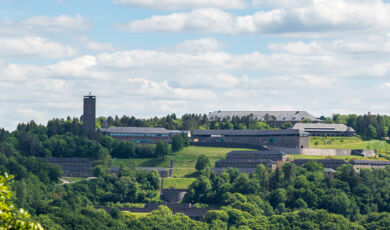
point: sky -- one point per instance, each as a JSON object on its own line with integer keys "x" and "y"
{"x": 148, "y": 58}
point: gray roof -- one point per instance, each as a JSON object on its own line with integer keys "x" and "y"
{"x": 302, "y": 161}
{"x": 322, "y": 127}
{"x": 135, "y": 130}
{"x": 260, "y": 115}
{"x": 247, "y": 132}
{"x": 369, "y": 162}
{"x": 261, "y": 152}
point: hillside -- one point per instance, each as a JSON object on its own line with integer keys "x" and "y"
{"x": 381, "y": 147}
{"x": 185, "y": 160}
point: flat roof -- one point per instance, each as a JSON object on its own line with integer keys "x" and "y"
{"x": 260, "y": 152}
{"x": 248, "y": 132}
{"x": 312, "y": 127}
{"x": 135, "y": 130}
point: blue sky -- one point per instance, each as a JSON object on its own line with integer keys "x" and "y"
{"x": 155, "y": 57}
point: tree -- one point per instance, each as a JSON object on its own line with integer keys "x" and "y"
{"x": 162, "y": 149}
{"x": 10, "y": 217}
{"x": 371, "y": 132}
{"x": 179, "y": 141}
{"x": 202, "y": 162}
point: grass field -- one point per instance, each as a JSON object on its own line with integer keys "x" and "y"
{"x": 315, "y": 157}
{"x": 185, "y": 160}
{"x": 381, "y": 147}
{"x": 178, "y": 183}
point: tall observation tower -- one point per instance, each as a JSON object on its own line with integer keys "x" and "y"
{"x": 89, "y": 116}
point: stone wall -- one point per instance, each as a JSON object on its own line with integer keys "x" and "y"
{"x": 282, "y": 141}
{"x": 150, "y": 140}
{"x": 173, "y": 195}
{"x": 326, "y": 152}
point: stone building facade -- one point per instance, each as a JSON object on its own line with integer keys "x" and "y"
{"x": 247, "y": 161}
{"x": 322, "y": 129}
{"x": 72, "y": 167}
{"x": 288, "y": 138}
{"x": 142, "y": 135}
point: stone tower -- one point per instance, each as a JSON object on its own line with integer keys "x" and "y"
{"x": 89, "y": 116}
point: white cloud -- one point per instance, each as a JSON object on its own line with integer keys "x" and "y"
{"x": 38, "y": 24}
{"x": 32, "y": 45}
{"x": 59, "y": 23}
{"x": 281, "y": 3}
{"x": 320, "y": 17}
{"x": 199, "y": 45}
{"x": 97, "y": 46}
{"x": 184, "y": 4}
{"x": 293, "y": 75}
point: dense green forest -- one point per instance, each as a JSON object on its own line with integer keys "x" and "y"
{"x": 288, "y": 198}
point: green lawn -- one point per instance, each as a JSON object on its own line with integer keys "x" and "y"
{"x": 178, "y": 183}
{"x": 315, "y": 157}
{"x": 381, "y": 147}
{"x": 185, "y": 159}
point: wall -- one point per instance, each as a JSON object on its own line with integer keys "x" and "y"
{"x": 324, "y": 152}
{"x": 153, "y": 140}
{"x": 173, "y": 195}
{"x": 282, "y": 141}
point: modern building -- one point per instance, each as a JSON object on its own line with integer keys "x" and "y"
{"x": 143, "y": 135}
{"x": 89, "y": 116}
{"x": 278, "y": 117}
{"x": 72, "y": 167}
{"x": 288, "y": 138}
{"x": 322, "y": 129}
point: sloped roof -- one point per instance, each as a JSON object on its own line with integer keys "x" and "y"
{"x": 135, "y": 130}
{"x": 261, "y": 115}
{"x": 313, "y": 127}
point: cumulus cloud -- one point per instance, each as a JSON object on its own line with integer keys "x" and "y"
{"x": 302, "y": 75}
{"x": 319, "y": 17}
{"x": 97, "y": 46}
{"x": 32, "y": 45}
{"x": 199, "y": 45}
{"x": 38, "y": 24}
{"x": 184, "y": 4}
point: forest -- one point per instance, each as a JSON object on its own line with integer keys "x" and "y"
{"x": 368, "y": 126}
{"x": 290, "y": 197}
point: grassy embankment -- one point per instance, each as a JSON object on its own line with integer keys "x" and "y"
{"x": 381, "y": 147}
{"x": 184, "y": 170}
{"x": 185, "y": 160}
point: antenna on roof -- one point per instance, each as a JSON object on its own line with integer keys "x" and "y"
{"x": 90, "y": 93}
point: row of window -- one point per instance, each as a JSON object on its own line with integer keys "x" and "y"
{"x": 139, "y": 134}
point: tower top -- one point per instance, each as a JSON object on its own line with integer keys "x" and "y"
{"x": 90, "y": 95}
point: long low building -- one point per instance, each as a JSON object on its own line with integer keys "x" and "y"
{"x": 141, "y": 134}
{"x": 322, "y": 129}
{"x": 277, "y": 117}
{"x": 289, "y": 138}
{"x": 72, "y": 166}
{"x": 335, "y": 163}
{"x": 247, "y": 161}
